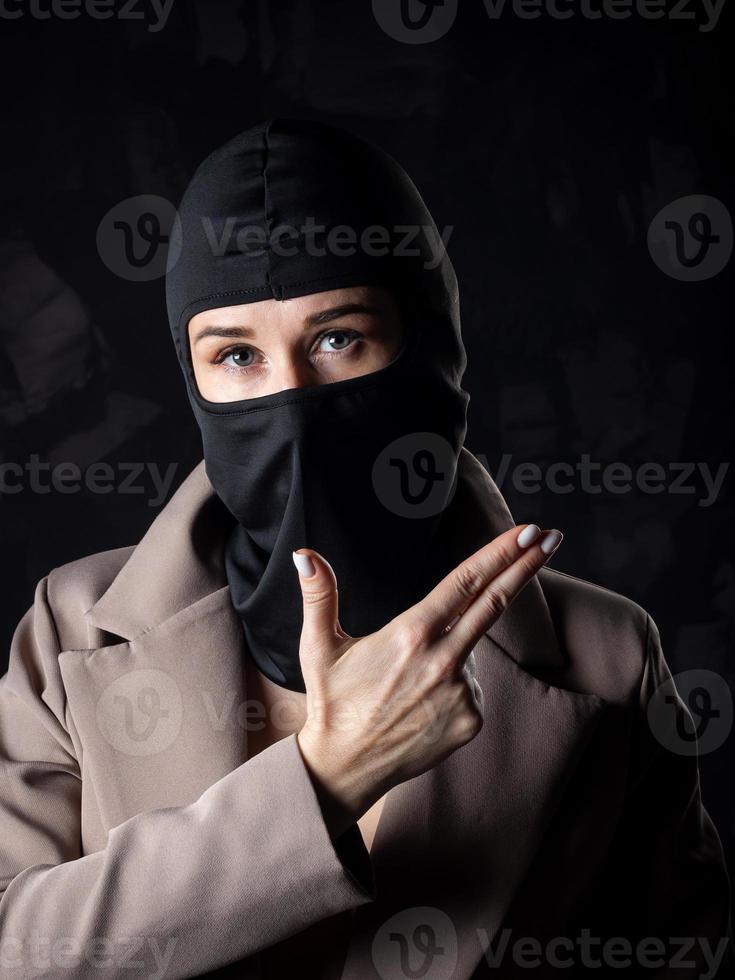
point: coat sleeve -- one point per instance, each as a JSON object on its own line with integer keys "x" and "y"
{"x": 667, "y": 890}
{"x": 248, "y": 863}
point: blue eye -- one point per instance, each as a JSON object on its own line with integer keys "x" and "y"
{"x": 246, "y": 358}
{"x": 243, "y": 357}
{"x": 337, "y": 340}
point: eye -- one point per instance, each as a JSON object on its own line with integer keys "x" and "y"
{"x": 337, "y": 340}
{"x": 240, "y": 357}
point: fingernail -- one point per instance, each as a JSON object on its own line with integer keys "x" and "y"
{"x": 551, "y": 542}
{"x": 304, "y": 565}
{"x": 528, "y": 535}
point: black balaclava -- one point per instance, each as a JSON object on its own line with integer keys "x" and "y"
{"x": 364, "y": 470}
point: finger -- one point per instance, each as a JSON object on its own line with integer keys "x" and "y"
{"x": 462, "y": 585}
{"x": 499, "y": 594}
{"x": 321, "y": 632}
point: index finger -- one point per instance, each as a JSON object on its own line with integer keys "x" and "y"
{"x": 462, "y": 586}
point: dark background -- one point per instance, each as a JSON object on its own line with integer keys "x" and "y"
{"x": 549, "y": 145}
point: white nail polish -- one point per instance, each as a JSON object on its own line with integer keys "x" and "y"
{"x": 304, "y": 565}
{"x": 528, "y": 535}
{"x": 551, "y": 542}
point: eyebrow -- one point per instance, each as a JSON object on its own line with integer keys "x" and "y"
{"x": 314, "y": 320}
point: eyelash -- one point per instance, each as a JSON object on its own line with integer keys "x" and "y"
{"x": 223, "y": 355}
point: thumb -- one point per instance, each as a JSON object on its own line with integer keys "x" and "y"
{"x": 321, "y": 633}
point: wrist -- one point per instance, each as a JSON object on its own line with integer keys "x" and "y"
{"x": 341, "y": 796}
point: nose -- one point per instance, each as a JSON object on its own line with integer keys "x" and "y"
{"x": 293, "y": 371}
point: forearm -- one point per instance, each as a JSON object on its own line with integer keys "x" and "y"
{"x": 248, "y": 863}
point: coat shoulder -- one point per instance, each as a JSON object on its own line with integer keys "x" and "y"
{"x": 581, "y": 597}
{"x": 605, "y": 635}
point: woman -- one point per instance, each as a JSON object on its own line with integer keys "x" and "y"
{"x": 214, "y": 762}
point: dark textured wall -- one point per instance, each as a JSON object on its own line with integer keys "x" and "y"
{"x": 548, "y": 145}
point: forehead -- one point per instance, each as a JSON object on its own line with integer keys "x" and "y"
{"x": 297, "y": 308}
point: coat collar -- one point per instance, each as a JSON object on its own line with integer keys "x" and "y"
{"x": 180, "y": 560}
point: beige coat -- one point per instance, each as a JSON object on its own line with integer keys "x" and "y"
{"x": 134, "y": 829}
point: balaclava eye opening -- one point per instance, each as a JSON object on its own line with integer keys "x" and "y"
{"x": 362, "y": 470}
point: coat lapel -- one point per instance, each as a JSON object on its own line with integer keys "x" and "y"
{"x": 168, "y": 697}
{"x": 452, "y": 845}
{"x": 160, "y": 715}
